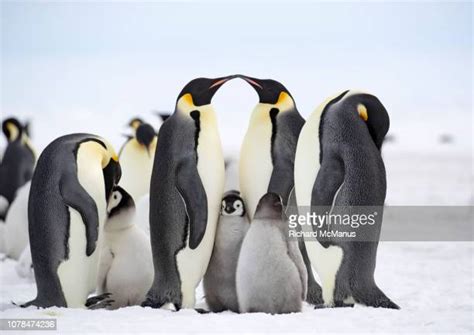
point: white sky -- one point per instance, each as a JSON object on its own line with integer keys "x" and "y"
{"x": 93, "y": 66}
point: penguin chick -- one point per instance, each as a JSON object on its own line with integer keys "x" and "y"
{"x": 136, "y": 158}
{"x": 219, "y": 280}
{"x": 126, "y": 265}
{"x": 271, "y": 275}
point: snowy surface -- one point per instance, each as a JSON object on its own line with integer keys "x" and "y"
{"x": 432, "y": 282}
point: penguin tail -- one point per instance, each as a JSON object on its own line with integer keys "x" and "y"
{"x": 371, "y": 295}
{"x": 27, "y": 304}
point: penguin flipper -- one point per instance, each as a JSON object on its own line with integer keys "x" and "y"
{"x": 75, "y": 196}
{"x": 328, "y": 181}
{"x": 191, "y": 189}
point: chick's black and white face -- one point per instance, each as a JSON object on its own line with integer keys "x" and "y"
{"x": 232, "y": 205}
{"x": 114, "y": 201}
{"x": 119, "y": 201}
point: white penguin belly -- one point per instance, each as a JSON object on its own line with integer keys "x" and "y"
{"x": 192, "y": 264}
{"x": 78, "y": 274}
{"x": 137, "y": 166}
{"x": 16, "y": 224}
{"x": 256, "y": 164}
{"x": 326, "y": 261}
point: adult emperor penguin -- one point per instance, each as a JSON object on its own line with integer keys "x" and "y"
{"x": 16, "y": 167}
{"x": 136, "y": 159}
{"x": 66, "y": 211}
{"x": 338, "y": 166}
{"x": 185, "y": 195}
{"x": 126, "y": 264}
{"x": 271, "y": 275}
{"x": 267, "y": 155}
{"x": 219, "y": 280}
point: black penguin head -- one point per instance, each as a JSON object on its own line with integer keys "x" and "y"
{"x": 145, "y": 135}
{"x": 270, "y": 207}
{"x": 119, "y": 201}
{"x": 112, "y": 174}
{"x": 369, "y": 109}
{"x": 200, "y": 91}
{"x": 232, "y": 204}
{"x": 269, "y": 91}
{"x": 120, "y": 210}
{"x": 13, "y": 129}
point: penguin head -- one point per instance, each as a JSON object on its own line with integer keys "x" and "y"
{"x": 271, "y": 92}
{"x": 135, "y": 123}
{"x": 359, "y": 110}
{"x": 145, "y": 134}
{"x": 120, "y": 209}
{"x": 270, "y": 207}
{"x": 110, "y": 167}
{"x": 13, "y": 129}
{"x": 232, "y": 204}
{"x": 199, "y": 91}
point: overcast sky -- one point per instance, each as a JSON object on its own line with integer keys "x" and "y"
{"x": 70, "y": 64}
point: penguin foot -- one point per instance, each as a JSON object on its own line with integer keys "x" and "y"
{"x": 337, "y": 304}
{"x": 99, "y": 301}
{"x": 202, "y": 311}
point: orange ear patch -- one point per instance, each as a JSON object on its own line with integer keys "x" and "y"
{"x": 362, "y": 110}
{"x": 282, "y": 97}
{"x": 188, "y": 98}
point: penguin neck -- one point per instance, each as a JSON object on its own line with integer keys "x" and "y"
{"x": 120, "y": 221}
{"x": 207, "y": 114}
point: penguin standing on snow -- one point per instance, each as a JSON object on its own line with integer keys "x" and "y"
{"x": 185, "y": 195}
{"x": 219, "y": 280}
{"x": 126, "y": 264}
{"x": 267, "y": 155}
{"x": 339, "y": 167}
{"x": 73, "y": 179}
{"x": 136, "y": 159}
{"x": 16, "y": 167}
{"x": 16, "y": 224}
{"x": 271, "y": 275}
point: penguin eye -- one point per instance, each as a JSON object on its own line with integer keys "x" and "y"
{"x": 238, "y": 205}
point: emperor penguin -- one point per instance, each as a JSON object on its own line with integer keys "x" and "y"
{"x": 219, "y": 280}
{"x": 136, "y": 158}
{"x": 338, "y": 167}
{"x": 126, "y": 264}
{"x": 267, "y": 155}
{"x": 185, "y": 196}
{"x": 271, "y": 275}
{"x": 72, "y": 181}
{"x": 16, "y": 167}
{"x": 16, "y": 224}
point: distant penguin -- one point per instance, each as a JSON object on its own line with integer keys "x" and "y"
{"x": 73, "y": 179}
{"x": 136, "y": 159}
{"x": 16, "y": 167}
{"x": 271, "y": 275}
{"x": 267, "y": 155}
{"x": 338, "y": 166}
{"x": 24, "y": 267}
{"x": 185, "y": 196}
{"x": 126, "y": 264}
{"x": 16, "y": 224}
{"x": 143, "y": 213}
{"x": 219, "y": 280}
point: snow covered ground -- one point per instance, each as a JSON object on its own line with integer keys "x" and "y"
{"x": 431, "y": 281}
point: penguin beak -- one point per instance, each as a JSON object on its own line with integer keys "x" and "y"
{"x": 252, "y": 81}
{"x": 218, "y": 82}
